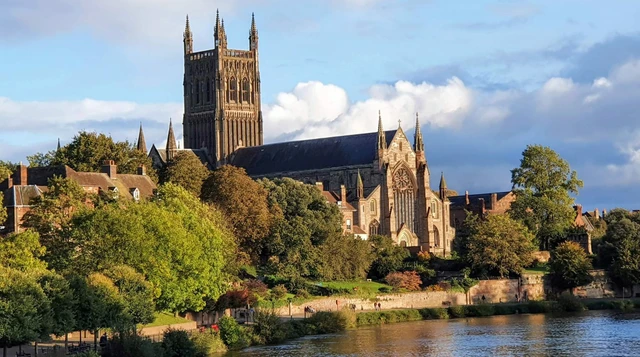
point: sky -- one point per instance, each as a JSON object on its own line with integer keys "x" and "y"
{"x": 487, "y": 77}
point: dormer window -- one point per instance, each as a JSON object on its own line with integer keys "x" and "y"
{"x": 135, "y": 193}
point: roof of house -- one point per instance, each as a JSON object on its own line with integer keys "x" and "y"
{"x": 199, "y": 153}
{"x": 460, "y": 201}
{"x": 333, "y": 197}
{"x": 313, "y": 154}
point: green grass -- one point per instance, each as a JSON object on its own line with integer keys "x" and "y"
{"x": 165, "y": 318}
{"x": 361, "y": 285}
{"x": 540, "y": 268}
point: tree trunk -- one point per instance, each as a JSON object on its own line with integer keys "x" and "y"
{"x": 80, "y": 333}
{"x": 95, "y": 340}
{"x": 4, "y": 351}
{"x": 35, "y": 348}
{"x": 66, "y": 341}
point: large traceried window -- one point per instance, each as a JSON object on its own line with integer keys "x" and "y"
{"x": 374, "y": 228}
{"x": 233, "y": 89}
{"x": 404, "y": 198}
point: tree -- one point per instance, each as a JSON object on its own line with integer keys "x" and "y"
{"x": 500, "y": 245}
{"x": 137, "y": 296}
{"x": 542, "y": 185}
{"x": 3, "y": 210}
{"x": 176, "y": 241}
{"x": 6, "y": 169}
{"x": 620, "y": 248}
{"x": 307, "y": 221}
{"x": 466, "y": 230}
{"x": 388, "y": 257}
{"x": 24, "y": 309}
{"x": 87, "y": 152}
{"x": 243, "y": 202}
{"x": 569, "y": 266}
{"x": 61, "y": 300}
{"x": 185, "y": 169}
{"x": 344, "y": 257}
{"x": 51, "y": 216}
{"x": 22, "y": 252}
{"x": 409, "y": 280}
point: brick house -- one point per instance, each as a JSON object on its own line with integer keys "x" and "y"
{"x": 28, "y": 183}
{"x": 480, "y": 204}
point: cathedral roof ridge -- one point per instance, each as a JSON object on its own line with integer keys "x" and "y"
{"x": 387, "y": 132}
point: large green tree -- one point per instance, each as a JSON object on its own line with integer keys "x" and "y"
{"x": 243, "y": 202}
{"x": 6, "y": 169}
{"x": 88, "y": 150}
{"x": 344, "y": 257}
{"x": 620, "y": 248}
{"x": 22, "y": 252}
{"x": 307, "y": 221}
{"x": 569, "y": 266}
{"x": 185, "y": 169}
{"x": 387, "y": 256}
{"x": 500, "y": 245}
{"x": 137, "y": 296}
{"x": 176, "y": 241}
{"x": 543, "y": 184}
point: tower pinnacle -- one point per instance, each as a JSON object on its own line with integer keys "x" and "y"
{"x": 171, "y": 142}
{"x": 382, "y": 140}
{"x": 219, "y": 35}
{"x": 188, "y": 38}
{"x": 418, "y": 142}
{"x": 142, "y": 144}
{"x": 443, "y": 186}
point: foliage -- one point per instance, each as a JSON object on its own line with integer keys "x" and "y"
{"x": 307, "y": 221}
{"x": 542, "y": 185}
{"x": 256, "y": 287}
{"x": 87, "y": 152}
{"x": 466, "y": 283}
{"x": 208, "y": 343}
{"x": 137, "y": 295}
{"x": 130, "y": 345}
{"x": 3, "y": 210}
{"x": 22, "y": 251}
{"x": 269, "y": 328}
{"x": 233, "y": 335}
{"x": 235, "y": 298}
{"x": 244, "y": 204}
{"x": 569, "y": 266}
{"x": 51, "y": 216}
{"x": 185, "y": 169}
{"x": 328, "y": 322}
{"x": 24, "y": 309}
{"x": 344, "y": 257}
{"x": 409, "y": 280}
{"x": 569, "y": 303}
{"x": 176, "y": 343}
{"x": 620, "y": 248}
{"x": 6, "y": 169}
{"x": 500, "y": 244}
{"x": 464, "y": 232}
{"x": 388, "y": 257}
{"x": 175, "y": 240}
{"x": 278, "y": 292}
{"x": 61, "y": 300}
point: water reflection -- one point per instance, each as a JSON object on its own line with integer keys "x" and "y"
{"x": 588, "y": 334}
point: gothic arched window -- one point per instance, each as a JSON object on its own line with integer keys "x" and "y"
{"x": 233, "y": 89}
{"x": 374, "y": 228}
{"x": 208, "y": 85}
{"x": 372, "y": 206}
{"x": 404, "y": 198}
{"x": 197, "y": 91}
{"x": 245, "y": 90}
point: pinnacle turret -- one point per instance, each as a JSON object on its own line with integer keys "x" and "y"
{"x": 382, "y": 140}
{"x": 171, "y": 142}
{"x": 418, "y": 142}
{"x": 142, "y": 144}
{"x": 219, "y": 35}
{"x": 188, "y": 38}
{"x": 253, "y": 34}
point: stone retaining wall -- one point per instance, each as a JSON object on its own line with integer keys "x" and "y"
{"x": 159, "y": 330}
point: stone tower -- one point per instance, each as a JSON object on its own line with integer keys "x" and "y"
{"x": 221, "y": 95}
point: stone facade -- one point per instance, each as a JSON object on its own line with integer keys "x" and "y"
{"x": 222, "y": 108}
{"x": 480, "y": 204}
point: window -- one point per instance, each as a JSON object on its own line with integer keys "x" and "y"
{"x": 362, "y": 209}
{"x": 434, "y": 209}
{"x": 372, "y": 206}
{"x": 197, "y": 91}
{"x": 135, "y": 193}
{"x": 348, "y": 224}
{"x": 208, "y": 90}
{"x": 400, "y": 146}
{"x": 233, "y": 90}
{"x": 245, "y": 90}
{"x": 374, "y": 228}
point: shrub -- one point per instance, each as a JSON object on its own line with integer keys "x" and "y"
{"x": 279, "y": 292}
{"x": 457, "y": 311}
{"x": 303, "y": 294}
{"x": 256, "y": 287}
{"x": 424, "y": 257}
{"x": 434, "y": 314}
{"x": 569, "y": 303}
{"x": 176, "y": 343}
{"x": 128, "y": 344}
{"x": 537, "y": 307}
{"x": 296, "y": 284}
{"x": 269, "y": 327}
{"x": 479, "y": 310}
{"x": 327, "y": 322}
{"x": 409, "y": 280}
{"x": 384, "y": 290}
{"x": 233, "y": 335}
{"x": 207, "y": 344}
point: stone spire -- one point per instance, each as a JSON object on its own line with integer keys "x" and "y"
{"x": 219, "y": 35}
{"x": 142, "y": 144}
{"x": 443, "y": 187}
{"x": 360, "y": 186}
{"x": 188, "y": 38}
{"x": 253, "y": 34}
{"x": 419, "y": 144}
{"x": 382, "y": 140}
{"x": 58, "y": 147}
{"x": 171, "y": 143}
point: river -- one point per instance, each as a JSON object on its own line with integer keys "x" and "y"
{"x": 596, "y": 333}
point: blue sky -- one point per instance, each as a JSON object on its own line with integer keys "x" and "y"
{"x": 488, "y": 77}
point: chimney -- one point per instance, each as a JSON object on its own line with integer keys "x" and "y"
{"x": 320, "y": 186}
{"x": 142, "y": 170}
{"x": 21, "y": 175}
{"x": 481, "y": 205}
{"x": 466, "y": 198}
{"x": 9, "y": 182}
{"x": 109, "y": 167}
{"x": 343, "y": 193}
{"x": 578, "y": 209}
{"x": 604, "y": 213}
{"x": 494, "y": 200}
{"x": 596, "y": 214}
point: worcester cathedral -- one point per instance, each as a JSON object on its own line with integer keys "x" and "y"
{"x": 380, "y": 180}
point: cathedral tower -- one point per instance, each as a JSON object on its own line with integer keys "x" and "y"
{"x": 221, "y": 95}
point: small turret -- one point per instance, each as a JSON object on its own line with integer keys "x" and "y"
{"x": 253, "y": 34}
{"x": 219, "y": 35}
{"x": 188, "y": 38}
{"x": 382, "y": 140}
{"x": 359, "y": 187}
{"x": 419, "y": 144}
{"x": 443, "y": 187}
{"x": 142, "y": 144}
{"x": 58, "y": 148}
{"x": 172, "y": 146}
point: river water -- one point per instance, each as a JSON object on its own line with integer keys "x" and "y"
{"x": 604, "y": 333}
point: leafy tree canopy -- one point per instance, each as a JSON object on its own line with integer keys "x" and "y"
{"x": 243, "y": 202}
{"x": 543, "y": 183}
{"x": 185, "y": 169}
{"x": 22, "y": 252}
{"x": 388, "y": 257}
{"x": 87, "y": 151}
{"x": 6, "y": 169}
{"x": 569, "y": 266}
{"x": 620, "y": 248}
{"x": 500, "y": 245}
